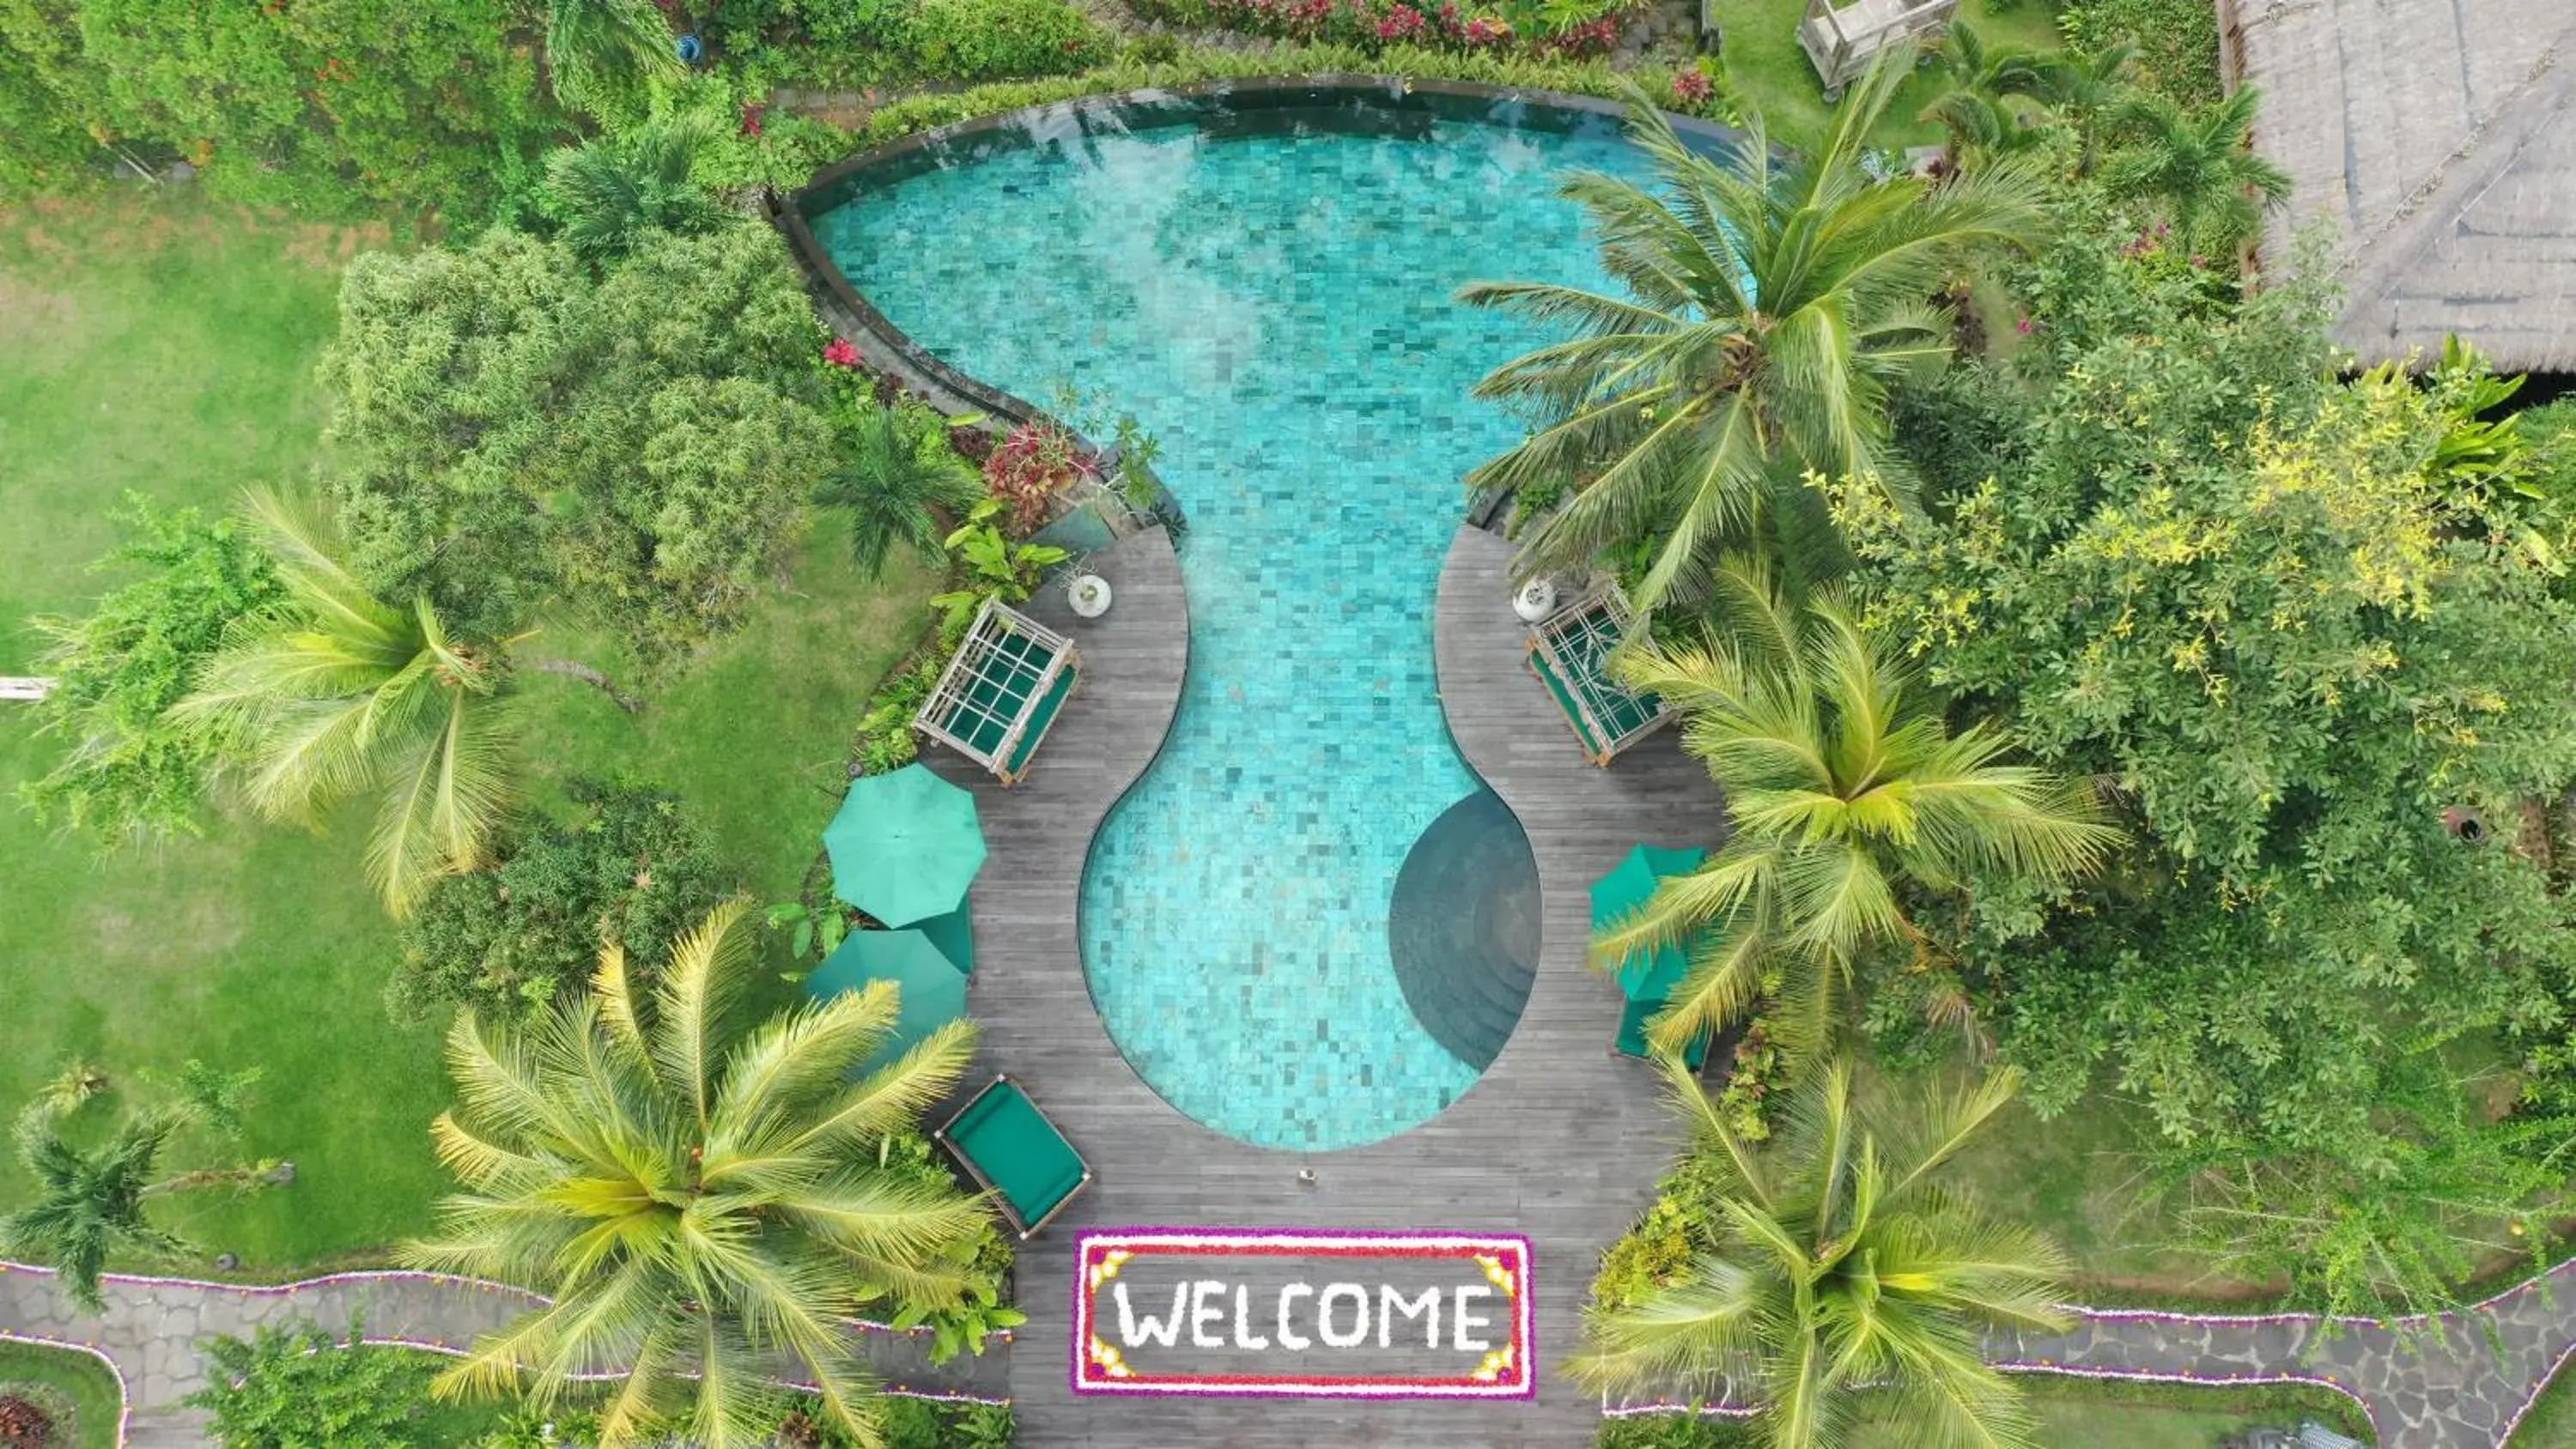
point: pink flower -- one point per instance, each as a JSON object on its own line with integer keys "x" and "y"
{"x": 1691, "y": 87}
{"x": 2022, "y": 327}
{"x": 841, "y": 353}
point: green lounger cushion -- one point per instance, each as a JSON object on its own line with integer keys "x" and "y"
{"x": 1017, "y": 1150}
{"x": 1564, "y": 701}
{"x": 1039, "y": 719}
{"x": 1632, "y": 1033}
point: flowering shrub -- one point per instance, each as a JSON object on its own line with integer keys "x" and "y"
{"x": 841, "y": 352}
{"x": 1371, "y": 25}
{"x": 1691, "y": 89}
{"x": 1029, "y": 469}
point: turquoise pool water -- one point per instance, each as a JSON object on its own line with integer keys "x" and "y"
{"x": 1276, "y": 308}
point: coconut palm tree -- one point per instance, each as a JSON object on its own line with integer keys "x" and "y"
{"x": 2201, "y": 168}
{"x": 899, "y": 479}
{"x": 600, "y": 53}
{"x": 704, "y": 1203}
{"x": 89, "y": 1204}
{"x": 1770, "y": 303}
{"x": 607, "y": 193}
{"x": 1847, "y": 1285}
{"x": 1843, "y": 785}
{"x": 337, "y": 693}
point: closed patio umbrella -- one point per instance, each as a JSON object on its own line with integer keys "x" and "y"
{"x": 905, "y": 845}
{"x": 1646, "y": 976}
{"x": 931, "y": 990}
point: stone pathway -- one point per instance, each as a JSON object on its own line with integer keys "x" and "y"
{"x": 2459, "y": 1380}
{"x": 152, "y": 1327}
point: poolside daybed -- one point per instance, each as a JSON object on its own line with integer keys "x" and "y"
{"x": 997, "y": 696}
{"x": 1569, "y": 651}
{"x": 1014, "y": 1152}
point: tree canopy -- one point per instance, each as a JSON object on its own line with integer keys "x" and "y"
{"x": 515, "y": 438}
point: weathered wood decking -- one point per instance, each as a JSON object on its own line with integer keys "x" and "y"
{"x": 1560, "y": 1140}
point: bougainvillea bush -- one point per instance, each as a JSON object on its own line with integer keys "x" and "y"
{"x": 1372, "y": 25}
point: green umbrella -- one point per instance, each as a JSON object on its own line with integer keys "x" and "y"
{"x": 1644, "y": 975}
{"x": 931, "y": 990}
{"x": 905, "y": 846}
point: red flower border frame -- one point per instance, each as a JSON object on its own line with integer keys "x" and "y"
{"x": 1518, "y": 1380}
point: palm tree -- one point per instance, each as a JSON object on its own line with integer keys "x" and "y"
{"x": 1842, "y": 785}
{"x": 2086, "y": 89}
{"x": 900, "y": 479}
{"x": 608, "y": 192}
{"x": 1980, "y": 109}
{"x": 1772, "y": 302}
{"x": 704, "y": 1204}
{"x": 599, "y": 53}
{"x": 89, "y": 1204}
{"x": 2200, "y": 168}
{"x": 1847, "y": 1285}
{"x": 337, "y": 692}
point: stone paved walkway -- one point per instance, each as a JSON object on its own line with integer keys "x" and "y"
{"x": 152, "y": 1328}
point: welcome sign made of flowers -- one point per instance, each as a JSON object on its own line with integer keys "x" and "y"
{"x": 1305, "y": 1313}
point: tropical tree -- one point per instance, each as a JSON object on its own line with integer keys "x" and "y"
{"x": 900, "y": 477}
{"x": 1989, "y": 89}
{"x": 1846, "y": 1285}
{"x": 334, "y": 692}
{"x": 2200, "y": 167}
{"x": 700, "y": 1201}
{"x": 609, "y": 191}
{"x": 1772, "y": 302}
{"x": 2086, "y": 87}
{"x": 1843, "y": 788}
{"x": 89, "y": 1202}
{"x": 600, "y": 53}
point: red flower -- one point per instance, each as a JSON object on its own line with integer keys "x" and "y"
{"x": 841, "y": 353}
{"x": 751, "y": 115}
{"x": 1691, "y": 87}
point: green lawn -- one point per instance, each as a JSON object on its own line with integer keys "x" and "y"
{"x": 2080, "y": 1414}
{"x": 96, "y": 1402}
{"x": 2552, "y": 1424}
{"x": 1763, "y": 55}
{"x": 160, "y": 345}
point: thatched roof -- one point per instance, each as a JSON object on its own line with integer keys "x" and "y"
{"x": 2439, "y": 139}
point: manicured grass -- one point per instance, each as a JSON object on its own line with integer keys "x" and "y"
{"x": 157, "y": 344}
{"x": 2086, "y": 1414}
{"x": 754, "y": 733}
{"x": 164, "y": 346}
{"x": 96, "y": 1402}
{"x": 2552, "y": 1423}
{"x": 1763, "y": 56}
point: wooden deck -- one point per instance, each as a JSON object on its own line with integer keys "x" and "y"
{"x": 1560, "y": 1140}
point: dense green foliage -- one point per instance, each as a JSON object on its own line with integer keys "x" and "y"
{"x": 2177, "y": 41}
{"x": 610, "y": 195}
{"x": 1837, "y": 1278}
{"x": 701, "y": 1195}
{"x": 867, "y": 42}
{"x": 335, "y": 106}
{"x": 637, "y": 451}
{"x": 128, "y": 771}
{"x": 299, "y": 1387}
{"x": 2186, "y": 561}
{"x": 510, "y": 940}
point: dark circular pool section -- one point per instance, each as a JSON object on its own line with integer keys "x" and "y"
{"x": 1463, "y": 927}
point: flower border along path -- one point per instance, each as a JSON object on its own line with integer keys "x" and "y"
{"x": 150, "y": 1334}
{"x": 2463, "y": 1379}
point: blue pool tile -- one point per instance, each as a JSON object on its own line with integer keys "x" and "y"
{"x": 1276, "y": 310}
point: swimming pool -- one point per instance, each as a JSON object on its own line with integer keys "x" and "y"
{"x": 1269, "y": 293}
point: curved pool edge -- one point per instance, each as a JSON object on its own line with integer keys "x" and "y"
{"x": 890, "y": 347}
